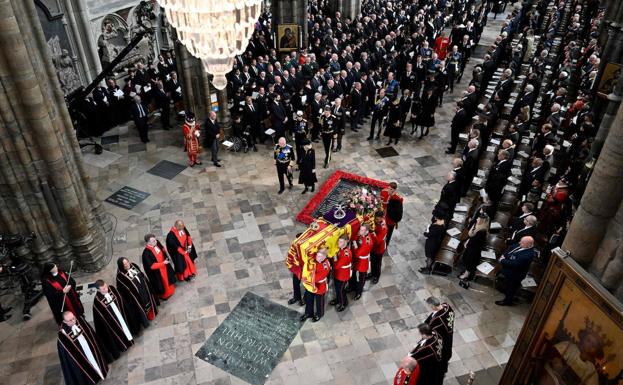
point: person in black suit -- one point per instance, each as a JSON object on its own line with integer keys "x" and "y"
{"x": 139, "y": 114}
{"x": 434, "y": 234}
{"x": 164, "y": 104}
{"x": 528, "y": 229}
{"x": 459, "y": 122}
{"x": 251, "y": 117}
{"x": 459, "y": 170}
{"x": 470, "y": 165}
{"x": 515, "y": 266}
{"x": 497, "y": 177}
{"x": 278, "y": 116}
{"x": 307, "y": 167}
{"x": 475, "y": 243}
{"x": 517, "y": 223}
{"x": 212, "y": 135}
{"x": 450, "y": 193}
{"x": 174, "y": 88}
{"x": 356, "y": 107}
{"x": 536, "y": 172}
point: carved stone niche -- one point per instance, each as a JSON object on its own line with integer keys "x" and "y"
{"x": 60, "y": 48}
{"x": 117, "y": 33}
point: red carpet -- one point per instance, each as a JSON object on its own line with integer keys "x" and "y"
{"x": 306, "y": 214}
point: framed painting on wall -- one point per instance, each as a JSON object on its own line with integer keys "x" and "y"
{"x": 287, "y": 37}
{"x": 573, "y": 334}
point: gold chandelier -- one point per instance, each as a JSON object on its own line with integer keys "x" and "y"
{"x": 214, "y": 31}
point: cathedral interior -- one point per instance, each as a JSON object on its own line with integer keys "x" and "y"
{"x": 82, "y": 189}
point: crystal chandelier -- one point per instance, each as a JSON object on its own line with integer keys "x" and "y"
{"x": 214, "y": 31}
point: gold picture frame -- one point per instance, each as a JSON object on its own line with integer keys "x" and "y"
{"x": 287, "y": 37}
{"x": 573, "y": 334}
{"x": 612, "y": 73}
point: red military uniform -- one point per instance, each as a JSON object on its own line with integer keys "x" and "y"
{"x": 342, "y": 266}
{"x": 402, "y": 378}
{"x": 378, "y": 238}
{"x": 341, "y": 274}
{"x": 392, "y": 205}
{"x": 362, "y": 254}
{"x": 191, "y": 142}
{"x": 321, "y": 272}
{"x": 378, "y": 249}
{"x": 441, "y": 47}
{"x": 320, "y": 276}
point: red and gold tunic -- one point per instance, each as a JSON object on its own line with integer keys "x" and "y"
{"x": 361, "y": 256}
{"x": 342, "y": 266}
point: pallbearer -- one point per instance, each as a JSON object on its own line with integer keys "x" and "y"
{"x": 138, "y": 299}
{"x": 441, "y": 320}
{"x": 378, "y": 238}
{"x": 110, "y": 320}
{"x": 320, "y": 279}
{"x": 361, "y": 260}
{"x": 82, "y": 360}
{"x": 60, "y": 290}
{"x": 341, "y": 272}
{"x": 182, "y": 251}
{"x": 158, "y": 268}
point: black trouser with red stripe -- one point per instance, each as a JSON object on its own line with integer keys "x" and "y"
{"x": 340, "y": 293}
{"x": 358, "y": 281}
{"x": 375, "y": 265}
{"x": 310, "y": 298}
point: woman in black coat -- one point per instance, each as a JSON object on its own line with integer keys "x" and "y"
{"x": 434, "y": 236}
{"x": 477, "y": 238}
{"x": 427, "y": 115}
{"x": 416, "y": 110}
{"x": 307, "y": 167}
{"x": 394, "y": 120}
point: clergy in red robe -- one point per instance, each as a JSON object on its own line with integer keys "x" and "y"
{"x": 408, "y": 372}
{"x": 82, "y": 360}
{"x": 341, "y": 272}
{"x": 427, "y": 352}
{"x": 182, "y": 251}
{"x": 361, "y": 260}
{"x": 110, "y": 320}
{"x": 135, "y": 290}
{"x": 191, "y": 130}
{"x": 158, "y": 267}
{"x": 441, "y": 46}
{"x": 60, "y": 291}
{"x": 378, "y": 239}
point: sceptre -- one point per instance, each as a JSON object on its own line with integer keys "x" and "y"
{"x": 71, "y": 266}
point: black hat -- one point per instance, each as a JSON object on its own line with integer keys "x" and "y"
{"x": 306, "y": 142}
{"x": 190, "y": 116}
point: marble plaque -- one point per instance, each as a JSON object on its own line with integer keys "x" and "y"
{"x": 127, "y": 198}
{"x": 252, "y": 339}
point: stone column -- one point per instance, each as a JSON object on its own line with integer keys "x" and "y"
{"x": 224, "y": 115}
{"x": 348, "y": 8}
{"x": 43, "y": 184}
{"x": 607, "y": 265}
{"x": 601, "y": 198}
{"x": 291, "y": 12}
{"x": 87, "y": 46}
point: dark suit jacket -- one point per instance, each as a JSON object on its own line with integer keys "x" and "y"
{"x": 278, "y": 115}
{"x": 516, "y": 262}
{"x": 136, "y": 114}
{"x": 450, "y": 194}
{"x": 162, "y": 100}
{"x": 460, "y": 120}
{"x": 251, "y": 118}
{"x": 523, "y": 232}
{"x": 211, "y": 130}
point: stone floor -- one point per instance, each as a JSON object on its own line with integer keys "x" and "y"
{"x": 243, "y": 229}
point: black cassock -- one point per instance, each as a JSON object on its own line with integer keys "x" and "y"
{"x": 53, "y": 290}
{"x": 428, "y": 355}
{"x": 172, "y": 247}
{"x": 138, "y": 300}
{"x": 77, "y": 369}
{"x": 442, "y": 322}
{"x": 110, "y": 329}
